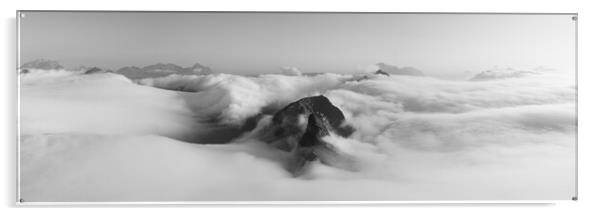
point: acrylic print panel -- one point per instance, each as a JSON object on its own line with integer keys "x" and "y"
{"x": 206, "y": 106}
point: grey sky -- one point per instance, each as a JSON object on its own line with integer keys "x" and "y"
{"x": 262, "y": 42}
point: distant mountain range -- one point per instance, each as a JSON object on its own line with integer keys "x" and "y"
{"x": 132, "y": 72}
{"x": 165, "y": 69}
{"x": 43, "y": 64}
{"x": 292, "y": 71}
{"x": 501, "y": 73}
{"x": 158, "y": 70}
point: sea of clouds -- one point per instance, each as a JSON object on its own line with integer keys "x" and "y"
{"x": 103, "y": 137}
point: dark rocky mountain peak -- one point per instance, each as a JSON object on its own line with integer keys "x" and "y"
{"x": 300, "y": 126}
{"x": 381, "y": 72}
{"x": 94, "y": 70}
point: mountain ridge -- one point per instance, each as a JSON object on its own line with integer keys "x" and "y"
{"x": 132, "y": 72}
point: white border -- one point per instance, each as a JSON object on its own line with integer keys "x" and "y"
{"x": 19, "y": 16}
{"x": 590, "y": 177}
{"x": 289, "y": 202}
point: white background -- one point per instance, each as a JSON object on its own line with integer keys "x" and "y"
{"x": 590, "y": 60}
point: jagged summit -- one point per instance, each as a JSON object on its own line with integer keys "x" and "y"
{"x": 199, "y": 69}
{"x": 394, "y": 70}
{"x": 381, "y": 72}
{"x": 299, "y": 128}
{"x": 93, "y": 70}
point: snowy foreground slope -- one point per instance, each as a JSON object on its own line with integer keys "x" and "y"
{"x": 103, "y": 137}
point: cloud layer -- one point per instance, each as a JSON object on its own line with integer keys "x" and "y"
{"x": 103, "y": 137}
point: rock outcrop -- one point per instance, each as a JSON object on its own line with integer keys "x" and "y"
{"x": 394, "y": 70}
{"x": 381, "y": 72}
{"x": 94, "y": 70}
{"x": 299, "y": 128}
